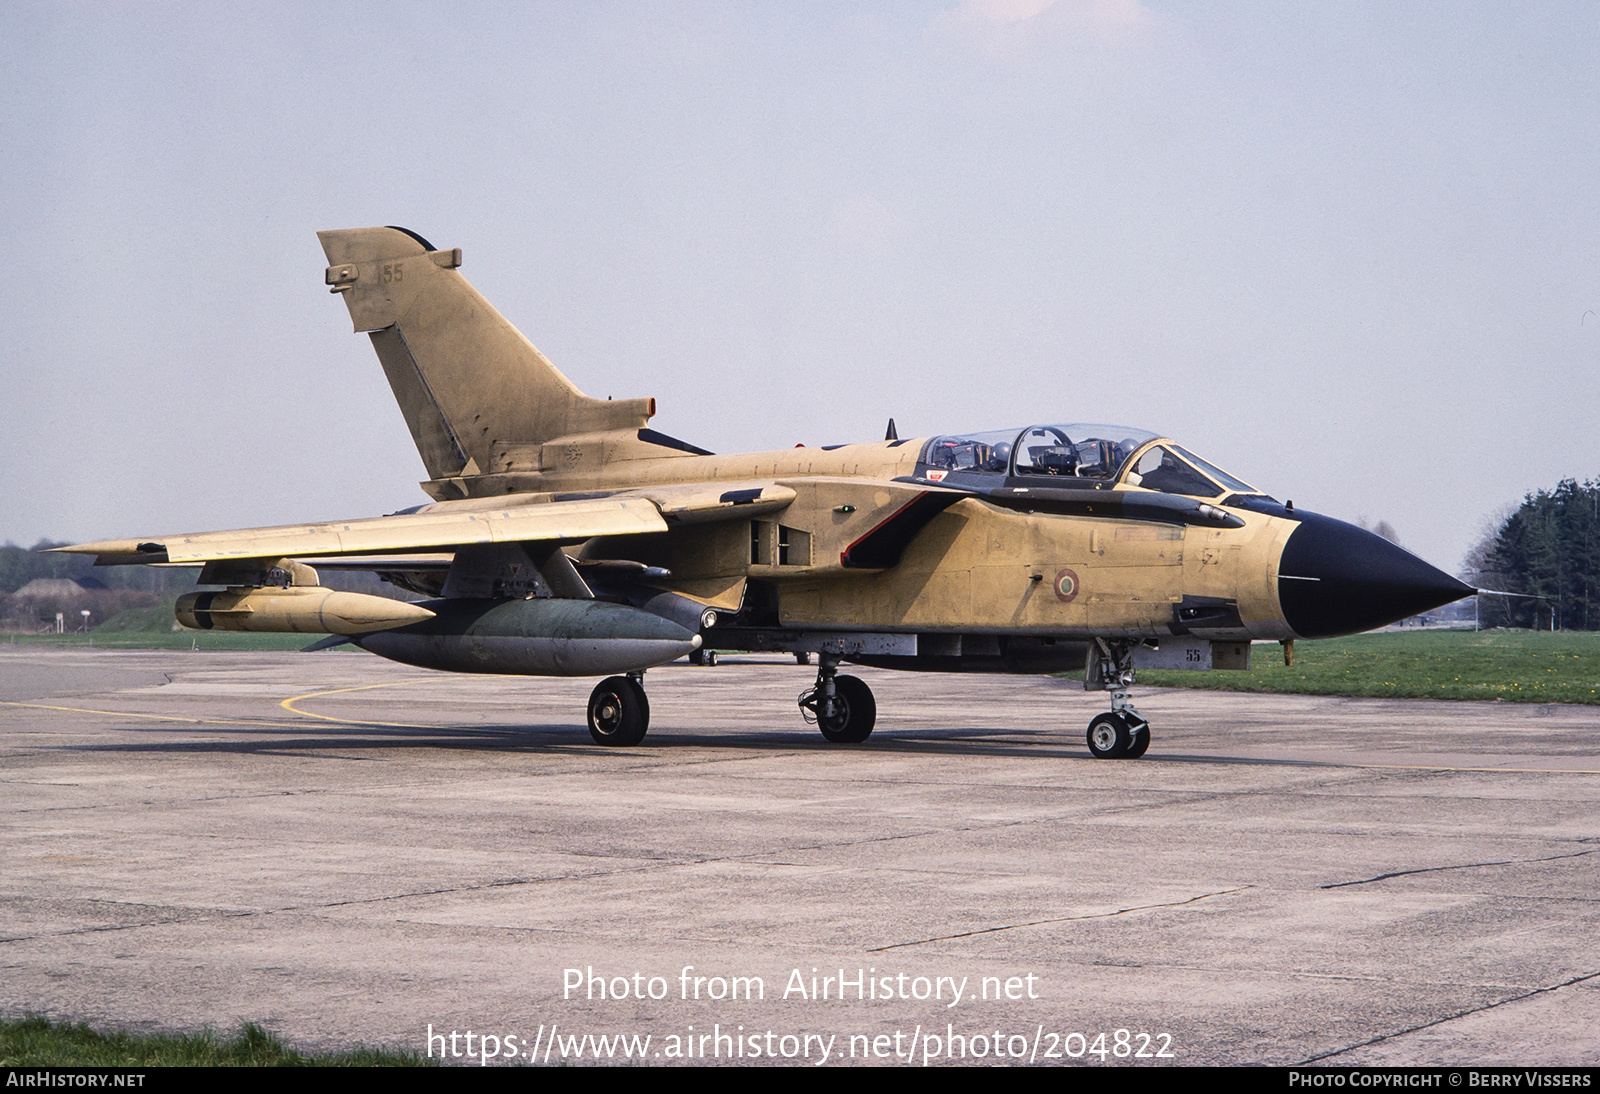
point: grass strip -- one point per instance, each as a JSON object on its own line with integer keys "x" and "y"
{"x": 37, "y": 1042}
{"x": 1508, "y": 665}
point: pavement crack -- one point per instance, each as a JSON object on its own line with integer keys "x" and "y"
{"x": 672, "y": 862}
{"x": 1450, "y": 1018}
{"x": 1061, "y": 919}
{"x": 1461, "y": 866}
{"x": 102, "y": 928}
{"x": 98, "y": 929}
{"x": 501, "y": 883}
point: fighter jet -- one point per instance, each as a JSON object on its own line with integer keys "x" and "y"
{"x": 567, "y": 538}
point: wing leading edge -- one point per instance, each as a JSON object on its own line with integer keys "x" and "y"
{"x": 447, "y": 526}
{"x": 570, "y": 521}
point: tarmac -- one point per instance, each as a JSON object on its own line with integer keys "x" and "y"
{"x": 350, "y": 851}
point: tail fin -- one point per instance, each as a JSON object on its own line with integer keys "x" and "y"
{"x": 465, "y": 378}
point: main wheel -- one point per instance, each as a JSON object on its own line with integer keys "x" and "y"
{"x": 619, "y": 712}
{"x": 1109, "y": 737}
{"x": 849, "y": 719}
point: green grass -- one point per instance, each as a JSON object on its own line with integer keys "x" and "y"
{"x": 37, "y": 1042}
{"x": 1513, "y": 666}
{"x": 156, "y": 619}
{"x": 152, "y": 629}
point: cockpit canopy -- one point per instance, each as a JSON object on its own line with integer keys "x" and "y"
{"x": 1077, "y": 454}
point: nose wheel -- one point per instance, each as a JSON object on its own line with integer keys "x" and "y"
{"x": 1116, "y": 736}
{"x": 619, "y": 711}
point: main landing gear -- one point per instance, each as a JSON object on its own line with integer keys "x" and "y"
{"x": 1122, "y": 733}
{"x": 841, "y": 706}
{"x": 619, "y": 711}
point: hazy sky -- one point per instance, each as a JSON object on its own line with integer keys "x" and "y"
{"x": 1351, "y": 253}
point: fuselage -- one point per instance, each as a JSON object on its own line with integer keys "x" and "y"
{"x": 1063, "y": 531}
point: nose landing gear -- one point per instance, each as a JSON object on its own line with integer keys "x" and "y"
{"x": 1122, "y": 733}
{"x": 841, "y": 706}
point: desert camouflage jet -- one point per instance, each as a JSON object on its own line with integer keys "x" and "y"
{"x": 568, "y": 538}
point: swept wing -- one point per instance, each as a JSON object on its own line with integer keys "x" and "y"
{"x": 446, "y": 527}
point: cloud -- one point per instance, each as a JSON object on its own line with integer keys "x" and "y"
{"x": 1001, "y": 26}
{"x": 1003, "y": 11}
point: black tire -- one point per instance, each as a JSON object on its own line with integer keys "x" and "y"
{"x": 1109, "y": 738}
{"x": 711, "y": 658}
{"x": 802, "y": 658}
{"x": 619, "y": 712}
{"x": 1140, "y": 742}
{"x": 854, "y": 712}
{"x": 697, "y": 657}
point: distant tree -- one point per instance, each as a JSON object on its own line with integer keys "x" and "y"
{"x": 1549, "y": 547}
{"x": 20, "y": 565}
{"x": 1382, "y": 528}
{"x": 1477, "y": 569}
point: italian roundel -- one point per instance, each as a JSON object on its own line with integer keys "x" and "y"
{"x": 1066, "y": 586}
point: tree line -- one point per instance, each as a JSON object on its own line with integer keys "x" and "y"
{"x": 20, "y": 565}
{"x": 1547, "y": 547}
{"x": 107, "y": 590}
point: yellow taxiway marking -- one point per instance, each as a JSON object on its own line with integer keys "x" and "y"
{"x": 288, "y": 704}
{"x": 157, "y": 717}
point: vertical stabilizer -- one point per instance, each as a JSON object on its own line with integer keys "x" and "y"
{"x": 465, "y": 378}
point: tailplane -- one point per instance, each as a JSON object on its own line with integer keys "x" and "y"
{"x": 470, "y": 385}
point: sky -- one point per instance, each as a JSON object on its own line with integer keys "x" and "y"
{"x": 1348, "y": 252}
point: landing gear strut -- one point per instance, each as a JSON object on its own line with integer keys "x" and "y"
{"x": 619, "y": 712}
{"x": 1122, "y": 733}
{"x": 841, "y": 706}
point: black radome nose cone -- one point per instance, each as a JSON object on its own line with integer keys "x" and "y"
{"x": 1335, "y": 578}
